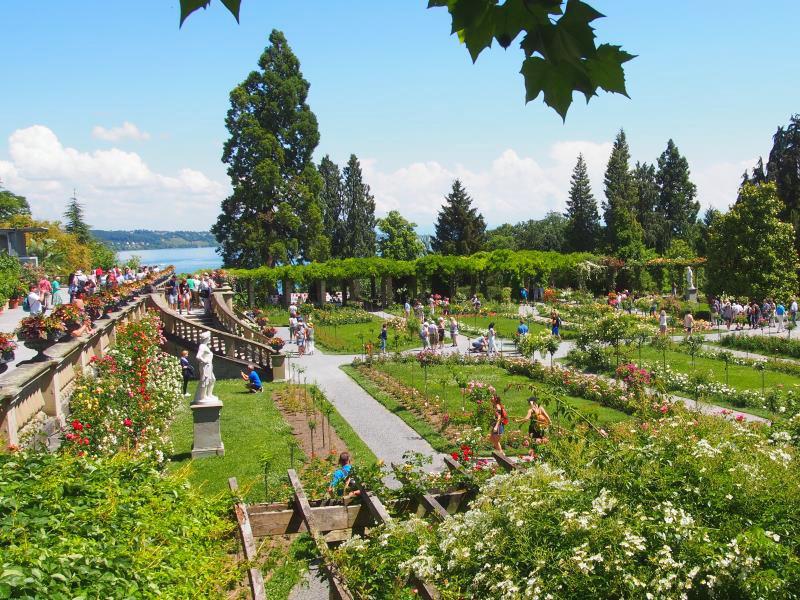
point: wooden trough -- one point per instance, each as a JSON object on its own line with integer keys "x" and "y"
{"x": 336, "y": 523}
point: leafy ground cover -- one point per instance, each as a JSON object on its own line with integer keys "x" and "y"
{"x": 763, "y": 344}
{"x": 674, "y": 506}
{"x": 86, "y": 527}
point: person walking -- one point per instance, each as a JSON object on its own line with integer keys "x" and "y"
{"x": 383, "y": 336}
{"x": 171, "y": 289}
{"x": 184, "y": 296}
{"x": 192, "y": 283}
{"x": 780, "y": 315}
{"x": 423, "y": 334}
{"x": 55, "y": 286}
{"x": 33, "y": 301}
{"x": 187, "y": 371}
{"x": 499, "y": 425}
{"x": 793, "y": 311}
{"x": 300, "y": 337}
{"x": 433, "y": 334}
{"x": 45, "y": 292}
{"x": 555, "y": 324}
{"x": 538, "y": 422}
{"x": 688, "y": 323}
{"x": 440, "y": 333}
{"x": 309, "y": 338}
{"x": 454, "y": 332}
{"x": 407, "y": 309}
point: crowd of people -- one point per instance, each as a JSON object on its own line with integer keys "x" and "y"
{"x": 754, "y": 315}
{"x": 190, "y": 292}
{"x": 301, "y": 331}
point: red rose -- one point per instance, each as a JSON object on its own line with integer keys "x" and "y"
{"x": 127, "y": 422}
{"x": 76, "y": 425}
{"x": 455, "y": 456}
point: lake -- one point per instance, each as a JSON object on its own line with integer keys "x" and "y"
{"x": 185, "y": 260}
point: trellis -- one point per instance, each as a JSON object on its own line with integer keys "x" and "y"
{"x": 329, "y": 524}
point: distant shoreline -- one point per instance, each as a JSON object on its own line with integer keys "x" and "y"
{"x": 148, "y": 239}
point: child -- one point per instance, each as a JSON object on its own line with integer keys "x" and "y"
{"x": 383, "y": 335}
{"x": 253, "y": 380}
{"x": 187, "y": 370}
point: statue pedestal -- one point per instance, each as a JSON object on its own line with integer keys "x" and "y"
{"x": 207, "y": 438}
{"x": 691, "y": 295}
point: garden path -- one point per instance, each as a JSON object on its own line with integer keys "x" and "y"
{"x": 9, "y": 321}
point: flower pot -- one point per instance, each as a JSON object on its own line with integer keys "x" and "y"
{"x": 6, "y": 357}
{"x": 40, "y": 345}
{"x": 14, "y": 303}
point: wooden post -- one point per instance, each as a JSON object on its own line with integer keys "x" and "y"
{"x": 248, "y": 543}
{"x": 504, "y": 462}
{"x": 432, "y": 504}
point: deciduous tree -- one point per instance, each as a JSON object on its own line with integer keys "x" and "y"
{"x": 397, "y": 238}
{"x": 11, "y": 204}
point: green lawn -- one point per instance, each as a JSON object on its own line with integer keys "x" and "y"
{"x": 739, "y": 377}
{"x": 505, "y": 327}
{"x": 442, "y": 384}
{"x": 351, "y": 338}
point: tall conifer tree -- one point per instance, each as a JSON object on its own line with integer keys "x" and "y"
{"x": 273, "y": 215}
{"x": 460, "y": 228}
{"x": 644, "y": 179}
{"x": 75, "y": 223}
{"x": 677, "y": 208}
{"x": 622, "y": 228}
{"x": 333, "y": 207}
{"x": 359, "y": 207}
{"x": 583, "y": 220}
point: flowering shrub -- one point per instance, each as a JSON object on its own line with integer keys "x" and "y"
{"x": 676, "y": 509}
{"x": 7, "y": 343}
{"x": 480, "y": 396}
{"x": 765, "y": 344}
{"x": 428, "y": 357}
{"x": 634, "y": 377}
{"x": 129, "y": 399}
{"x": 40, "y": 327}
{"x": 550, "y": 296}
{"x": 277, "y": 343}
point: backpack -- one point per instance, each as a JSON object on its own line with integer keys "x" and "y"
{"x": 26, "y": 304}
{"x": 503, "y": 415}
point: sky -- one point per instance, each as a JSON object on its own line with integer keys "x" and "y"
{"x": 115, "y": 101}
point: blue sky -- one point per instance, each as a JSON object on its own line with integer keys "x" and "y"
{"x": 387, "y": 83}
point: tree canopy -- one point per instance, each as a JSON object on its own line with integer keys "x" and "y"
{"x": 460, "y": 228}
{"x": 11, "y": 205}
{"x": 397, "y": 238}
{"x": 359, "y": 209}
{"x": 677, "y": 208}
{"x": 560, "y": 52}
{"x": 273, "y": 215}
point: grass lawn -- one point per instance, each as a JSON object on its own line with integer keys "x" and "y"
{"x": 442, "y": 384}
{"x": 350, "y": 338}
{"x": 739, "y": 377}
{"x": 505, "y": 327}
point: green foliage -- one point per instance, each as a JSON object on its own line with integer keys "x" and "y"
{"x": 546, "y": 234}
{"x": 12, "y": 205}
{"x": 644, "y": 181}
{"x": 751, "y": 252}
{"x": 109, "y": 528}
{"x": 10, "y": 274}
{"x": 397, "y": 239}
{"x": 677, "y": 208}
{"x": 771, "y": 345}
{"x": 460, "y": 229}
{"x": 75, "y": 222}
{"x": 583, "y": 226}
{"x": 333, "y": 206}
{"x": 561, "y": 56}
{"x": 273, "y": 215}
{"x": 359, "y": 209}
{"x": 623, "y": 232}
{"x": 102, "y": 255}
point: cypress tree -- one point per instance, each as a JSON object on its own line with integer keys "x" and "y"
{"x": 622, "y": 228}
{"x": 273, "y": 215}
{"x": 334, "y": 216}
{"x": 783, "y": 167}
{"x": 677, "y": 209}
{"x": 460, "y": 229}
{"x": 644, "y": 179}
{"x": 359, "y": 208}
{"x": 583, "y": 220}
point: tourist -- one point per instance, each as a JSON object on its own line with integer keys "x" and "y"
{"x": 293, "y": 309}
{"x": 206, "y": 287}
{"x": 523, "y": 294}
{"x": 522, "y": 328}
{"x": 309, "y": 338}
{"x": 78, "y": 300}
{"x": 423, "y": 334}
{"x": 688, "y": 323}
{"x": 192, "y": 283}
{"x": 72, "y": 286}
{"x": 555, "y": 324}
{"x": 407, "y": 309}
{"x": 453, "y": 332}
{"x": 433, "y": 334}
{"x": 492, "y": 340}
{"x": 34, "y": 302}
{"x": 184, "y": 296}
{"x": 479, "y": 344}
{"x": 292, "y": 326}
{"x": 476, "y": 303}
{"x": 780, "y": 315}
{"x": 538, "y": 422}
{"x": 45, "y": 292}
{"x": 55, "y": 286}
{"x": 727, "y": 313}
{"x": 300, "y": 336}
{"x": 171, "y": 289}
{"x": 662, "y": 322}
{"x": 432, "y": 305}
{"x": 419, "y": 311}
{"x": 187, "y": 371}
{"x": 85, "y": 327}
{"x": 499, "y": 426}
{"x": 253, "y": 380}
{"x": 653, "y": 307}
{"x": 446, "y": 307}
{"x": 382, "y": 336}
{"x": 341, "y": 479}
{"x": 793, "y": 311}
{"x": 440, "y": 333}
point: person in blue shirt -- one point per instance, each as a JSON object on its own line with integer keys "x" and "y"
{"x": 524, "y": 295}
{"x": 522, "y": 328}
{"x": 253, "y": 380}
{"x": 341, "y": 477}
{"x": 780, "y": 315}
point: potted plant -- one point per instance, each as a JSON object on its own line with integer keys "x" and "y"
{"x": 7, "y": 347}
{"x": 277, "y": 343}
{"x": 17, "y": 294}
{"x": 70, "y": 315}
{"x": 94, "y": 306}
{"x": 270, "y": 332}
{"x": 39, "y": 332}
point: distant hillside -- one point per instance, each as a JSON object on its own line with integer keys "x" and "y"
{"x": 145, "y": 239}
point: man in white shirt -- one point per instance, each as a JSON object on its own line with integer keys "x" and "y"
{"x": 793, "y": 311}
{"x": 34, "y": 301}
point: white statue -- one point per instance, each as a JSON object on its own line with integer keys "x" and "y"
{"x": 205, "y": 387}
{"x": 689, "y": 278}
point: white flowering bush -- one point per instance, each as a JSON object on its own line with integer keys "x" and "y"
{"x": 685, "y": 506}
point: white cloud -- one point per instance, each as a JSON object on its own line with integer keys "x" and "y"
{"x": 511, "y": 188}
{"x": 718, "y": 183}
{"x": 114, "y": 134}
{"x": 117, "y": 188}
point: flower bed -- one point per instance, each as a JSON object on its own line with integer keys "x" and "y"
{"x": 764, "y": 344}
{"x": 684, "y": 506}
{"x": 129, "y": 398}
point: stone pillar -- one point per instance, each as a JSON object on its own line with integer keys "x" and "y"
{"x": 278, "y": 367}
{"x": 387, "y": 293}
{"x": 207, "y": 437}
{"x": 228, "y": 294}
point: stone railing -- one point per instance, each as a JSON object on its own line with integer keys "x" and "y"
{"x": 34, "y": 398}
{"x": 236, "y": 349}
{"x": 224, "y": 313}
